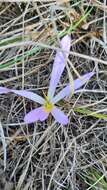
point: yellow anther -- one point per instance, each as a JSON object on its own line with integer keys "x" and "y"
{"x": 48, "y": 106}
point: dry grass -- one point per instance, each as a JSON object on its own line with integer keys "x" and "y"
{"x": 48, "y": 156}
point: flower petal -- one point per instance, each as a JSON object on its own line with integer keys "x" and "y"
{"x": 4, "y": 90}
{"x": 35, "y": 115}
{"x": 59, "y": 64}
{"x": 30, "y": 95}
{"x": 59, "y": 116}
{"x": 77, "y": 84}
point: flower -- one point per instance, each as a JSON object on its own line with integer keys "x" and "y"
{"x": 48, "y": 103}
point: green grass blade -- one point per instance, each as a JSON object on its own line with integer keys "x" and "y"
{"x": 86, "y": 112}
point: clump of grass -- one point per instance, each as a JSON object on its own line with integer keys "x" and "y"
{"x": 95, "y": 180}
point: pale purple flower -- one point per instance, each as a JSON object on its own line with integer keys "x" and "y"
{"x": 48, "y": 103}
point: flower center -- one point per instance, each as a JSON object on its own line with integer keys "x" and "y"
{"x": 48, "y": 106}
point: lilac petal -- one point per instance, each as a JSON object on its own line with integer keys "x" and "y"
{"x": 59, "y": 116}
{"x": 35, "y": 115}
{"x": 77, "y": 84}
{"x": 4, "y": 90}
{"x": 30, "y": 95}
{"x": 59, "y": 64}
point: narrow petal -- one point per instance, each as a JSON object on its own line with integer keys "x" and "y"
{"x": 59, "y": 64}
{"x": 4, "y": 90}
{"x": 77, "y": 84}
{"x": 59, "y": 116}
{"x": 30, "y": 95}
{"x": 35, "y": 115}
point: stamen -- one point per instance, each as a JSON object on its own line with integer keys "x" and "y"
{"x": 48, "y": 106}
